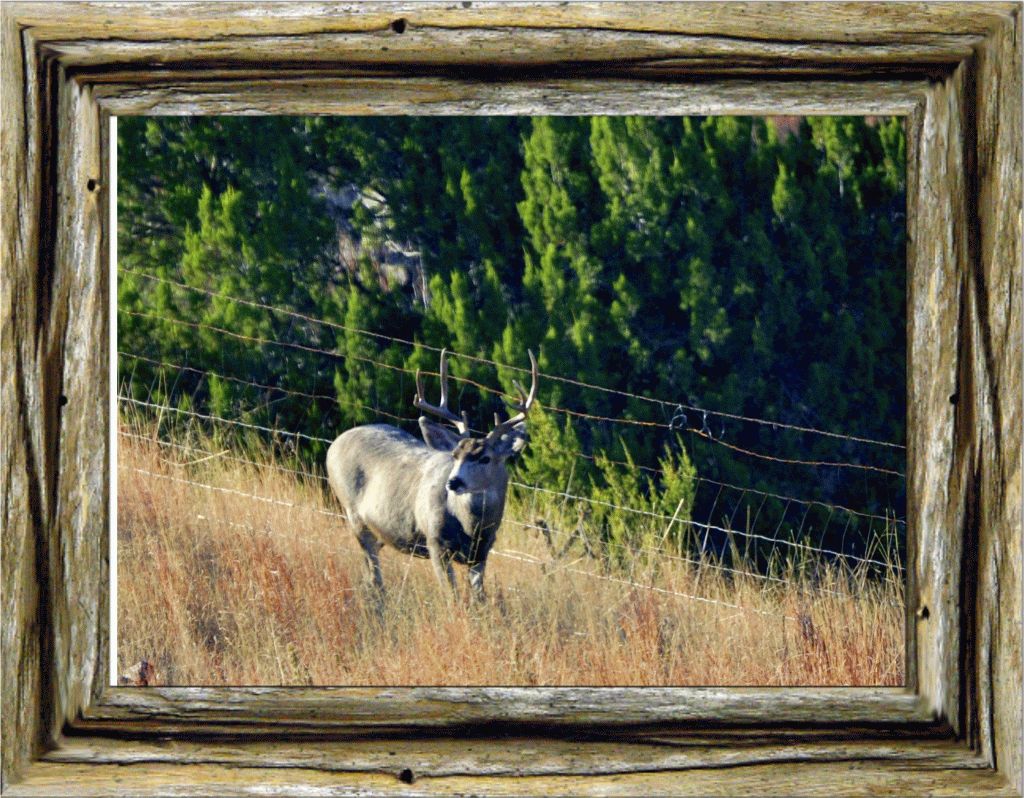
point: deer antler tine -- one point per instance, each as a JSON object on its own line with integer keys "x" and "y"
{"x": 522, "y": 406}
{"x": 534, "y": 374}
{"x": 444, "y": 378}
{"x": 441, "y": 410}
{"x": 520, "y": 391}
{"x": 497, "y": 419}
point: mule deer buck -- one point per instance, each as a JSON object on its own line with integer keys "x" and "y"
{"x": 442, "y": 497}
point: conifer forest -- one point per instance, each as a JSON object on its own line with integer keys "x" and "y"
{"x": 717, "y": 307}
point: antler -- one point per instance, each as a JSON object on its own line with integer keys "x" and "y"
{"x": 522, "y": 406}
{"x": 461, "y": 424}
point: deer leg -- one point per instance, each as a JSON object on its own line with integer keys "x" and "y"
{"x": 476, "y": 580}
{"x": 442, "y": 563}
{"x": 371, "y": 548}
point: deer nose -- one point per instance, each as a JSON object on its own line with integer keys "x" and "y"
{"x": 455, "y": 483}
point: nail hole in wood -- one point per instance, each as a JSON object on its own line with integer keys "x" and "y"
{"x": 63, "y": 400}
{"x": 923, "y": 613}
{"x": 398, "y": 25}
{"x": 953, "y": 398}
{"x": 406, "y": 776}
{"x": 92, "y": 185}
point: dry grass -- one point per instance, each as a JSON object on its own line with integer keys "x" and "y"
{"x": 216, "y": 588}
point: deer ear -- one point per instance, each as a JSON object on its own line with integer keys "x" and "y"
{"x": 439, "y": 438}
{"x": 512, "y": 442}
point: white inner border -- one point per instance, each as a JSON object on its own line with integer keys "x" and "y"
{"x": 884, "y": 107}
{"x": 112, "y": 236}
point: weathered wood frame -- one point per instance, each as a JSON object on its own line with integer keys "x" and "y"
{"x": 953, "y": 70}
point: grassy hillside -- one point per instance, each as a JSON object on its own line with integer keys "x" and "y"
{"x": 218, "y": 587}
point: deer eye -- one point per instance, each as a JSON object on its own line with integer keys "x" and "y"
{"x": 484, "y": 460}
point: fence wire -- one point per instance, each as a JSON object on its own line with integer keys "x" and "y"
{"x": 675, "y": 407}
{"x": 706, "y": 527}
{"x": 567, "y": 537}
{"x": 488, "y": 389}
{"x": 582, "y": 455}
{"x": 498, "y": 552}
{"x": 473, "y": 358}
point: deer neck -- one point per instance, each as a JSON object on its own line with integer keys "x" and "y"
{"x": 479, "y": 511}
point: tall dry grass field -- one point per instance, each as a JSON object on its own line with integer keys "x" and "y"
{"x": 217, "y": 587}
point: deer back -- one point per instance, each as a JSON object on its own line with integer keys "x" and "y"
{"x": 379, "y": 472}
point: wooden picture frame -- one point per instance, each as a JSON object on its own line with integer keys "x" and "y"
{"x": 953, "y": 69}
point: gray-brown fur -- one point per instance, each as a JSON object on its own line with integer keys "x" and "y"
{"x": 442, "y": 497}
{"x": 394, "y": 489}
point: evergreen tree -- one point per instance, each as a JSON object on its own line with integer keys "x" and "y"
{"x": 563, "y": 282}
{"x": 706, "y": 262}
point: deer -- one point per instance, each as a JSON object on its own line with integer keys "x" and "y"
{"x": 440, "y": 498}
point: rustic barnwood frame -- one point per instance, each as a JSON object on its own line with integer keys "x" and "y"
{"x": 953, "y": 70}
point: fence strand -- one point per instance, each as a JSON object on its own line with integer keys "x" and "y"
{"x": 498, "y": 552}
{"x": 561, "y": 533}
{"x": 557, "y": 378}
{"x": 641, "y": 586}
{"x": 233, "y": 492}
{"x": 563, "y": 494}
{"x": 493, "y": 391}
{"x": 275, "y": 431}
{"x": 582, "y": 455}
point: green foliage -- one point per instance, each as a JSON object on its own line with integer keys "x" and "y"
{"x": 563, "y": 314}
{"x": 709, "y": 262}
{"x": 225, "y": 207}
{"x": 661, "y": 505}
{"x": 550, "y": 459}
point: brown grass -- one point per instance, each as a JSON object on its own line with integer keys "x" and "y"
{"x": 217, "y": 588}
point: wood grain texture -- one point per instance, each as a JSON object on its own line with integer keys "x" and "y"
{"x": 938, "y": 262}
{"x": 27, "y": 420}
{"x": 78, "y": 546}
{"x": 625, "y": 763}
{"x": 856, "y": 777}
{"x": 577, "y": 38}
{"x": 996, "y": 302}
{"x": 964, "y": 416}
{"x": 55, "y": 485}
{"x": 437, "y": 96}
{"x": 604, "y": 754}
{"x": 449, "y": 49}
{"x": 358, "y": 710}
{"x": 953, "y": 69}
{"x": 835, "y": 22}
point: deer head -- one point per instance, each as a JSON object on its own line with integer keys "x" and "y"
{"x": 479, "y": 462}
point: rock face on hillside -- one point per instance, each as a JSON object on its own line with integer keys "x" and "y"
{"x": 397, "y": 264}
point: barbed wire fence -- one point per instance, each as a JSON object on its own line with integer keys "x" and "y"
{"x": 679, "y": 421}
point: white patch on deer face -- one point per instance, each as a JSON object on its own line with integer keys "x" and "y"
{"x": 478, "y": 468}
